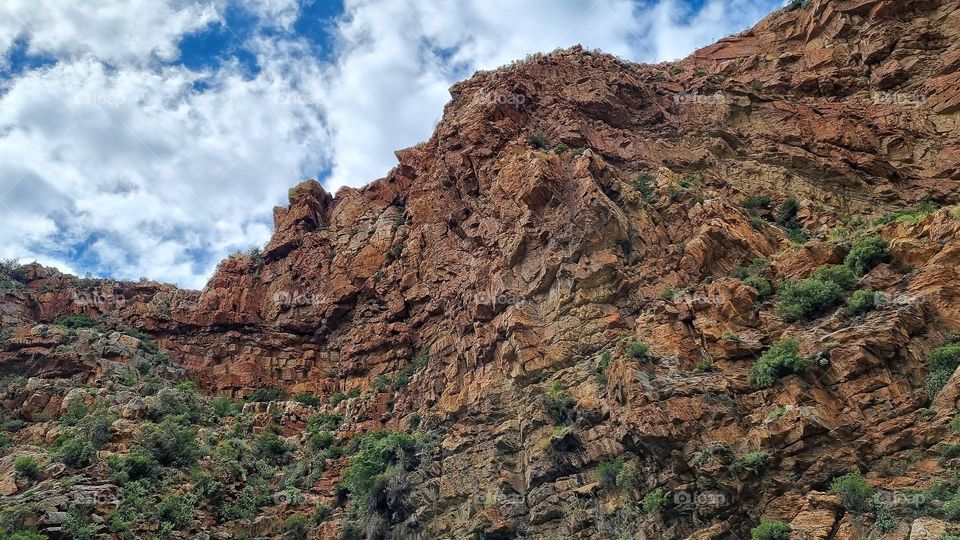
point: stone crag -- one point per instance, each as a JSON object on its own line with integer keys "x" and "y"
{"x": 569, "y": 209}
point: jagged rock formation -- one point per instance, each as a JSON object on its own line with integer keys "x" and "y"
{"x": 567, "y": 208}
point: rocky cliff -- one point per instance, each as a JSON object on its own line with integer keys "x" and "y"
{"x": 705, "y": 299}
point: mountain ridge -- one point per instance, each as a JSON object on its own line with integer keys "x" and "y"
{"x": 591, "y": 267}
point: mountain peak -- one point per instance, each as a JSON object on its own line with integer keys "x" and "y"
{"x": 604, "y": 299}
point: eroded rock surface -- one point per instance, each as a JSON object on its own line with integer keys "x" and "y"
{"x": 525, "y": 249}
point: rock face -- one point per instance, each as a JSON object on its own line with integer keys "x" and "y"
{"x": 567, "y": 208}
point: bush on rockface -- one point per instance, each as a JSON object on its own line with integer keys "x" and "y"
{"x": 854, "y": 491}
{"x": 538, "y": 141}
{"x": 270, "y": 446}
{"x": 770, "y": 530}
{"x": 781, "y": 359}
{"x": 76, "y": 321}
{"x": 654, "y": 501}
{"x": 382, "y": 456}
{"x": 942, "y": 362}
{"x": 266, "y": 394}
{"x": 296, "y": 527}
{"x": 755, "y": 275}
{"x": 28, "y": 468}
{"x": 864, "y": 301}
{"x": 751, "y": 461}
{"x": 607, "y": 472}
{"x": 73, "y": 450}
{"x": 183, "y": 402}
{"x": 559, "y": 405}
{"x": 867, "y": 253}
{"x": 133, "y": 467}
{"x": 837, "y": 273}
{"x": 808, "y": 299}
{"x": 170, "y": 443}
{"x": 638, "y": 350}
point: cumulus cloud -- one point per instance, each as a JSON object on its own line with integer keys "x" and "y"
{"x": 120, "y": 160}
{"x": 111, "y": 30}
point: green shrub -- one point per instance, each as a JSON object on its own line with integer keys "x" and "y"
{"x": 96, "y": 427}
{"x": 321, "y": 440}
{"x": 379, "y": 453}
{"x": 770, "y": 530}
{"x": 28, "y": 468}
{"x": 798, "y": 235}
{"x": 864, "y": 301}
{"x": 781, "y": 359}
{"x": 951, "y": 508}
{"x": 607, "y": 472}
{"x": 76, "y": 321}
{"x": 644, "y": 185}
{"x": 638, "y": 350}
{"x": 174, "y": 512}
{"x": 606, "y": 357}
{"x": 883, "y": 520}
{"x": 26, "y": 534}
{"x": 296, "y": 527}
{"x": 752, "y": 461}
{"x": 854, "y": 491}
{"x": 672, "y": 293}
{"x": 777, "y": 412}
{"x": 654, "y": 501}
{"x": 133, "y": 467}
{"x": 266, "y": 394}
{"x": 256, "y": 258}
{"x": 414, "y": 421}
{"x": 757, "y": 267}
{"x": 224, "y": 407}
{"x": 559, "y": 405}
{"x": 322, "y": 513}
{"x": 755, "y": 275}
{"x": 170, "y": 442}
{"x": 786, "y": 213}
{"x": 703, "y": 366}
{"x": 76, "y": 411}
{"x": 866, "y": 254}
{"x": 942, "y": 362}
{"x": 538, "y": 141}
{"x": 808, "y": 299}
{"x": 270, "y": 446}
{"x": 755, "y": 202}
{"x": 954, "y": 424}
{"x": 307, "y": 399}
{"x": 73, "y": 451}
{"x": 837, "y": 273}
{"x": 762, "y": 285}
{"x": 912, "y": 215}
{"x": 77, "y": 523}
{"x": 182, "y": 402}
{"x": 324, "y": 422}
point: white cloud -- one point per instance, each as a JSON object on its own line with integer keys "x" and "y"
{"x": 111, "y": 30}
{"x": 113, "y": 160}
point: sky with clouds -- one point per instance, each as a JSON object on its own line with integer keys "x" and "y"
{"x": 151, "y": 138}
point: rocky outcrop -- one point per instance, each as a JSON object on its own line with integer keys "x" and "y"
{"x": 522, "y": 254}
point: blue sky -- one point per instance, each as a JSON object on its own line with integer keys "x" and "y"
{"x": 151, "y": 138}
